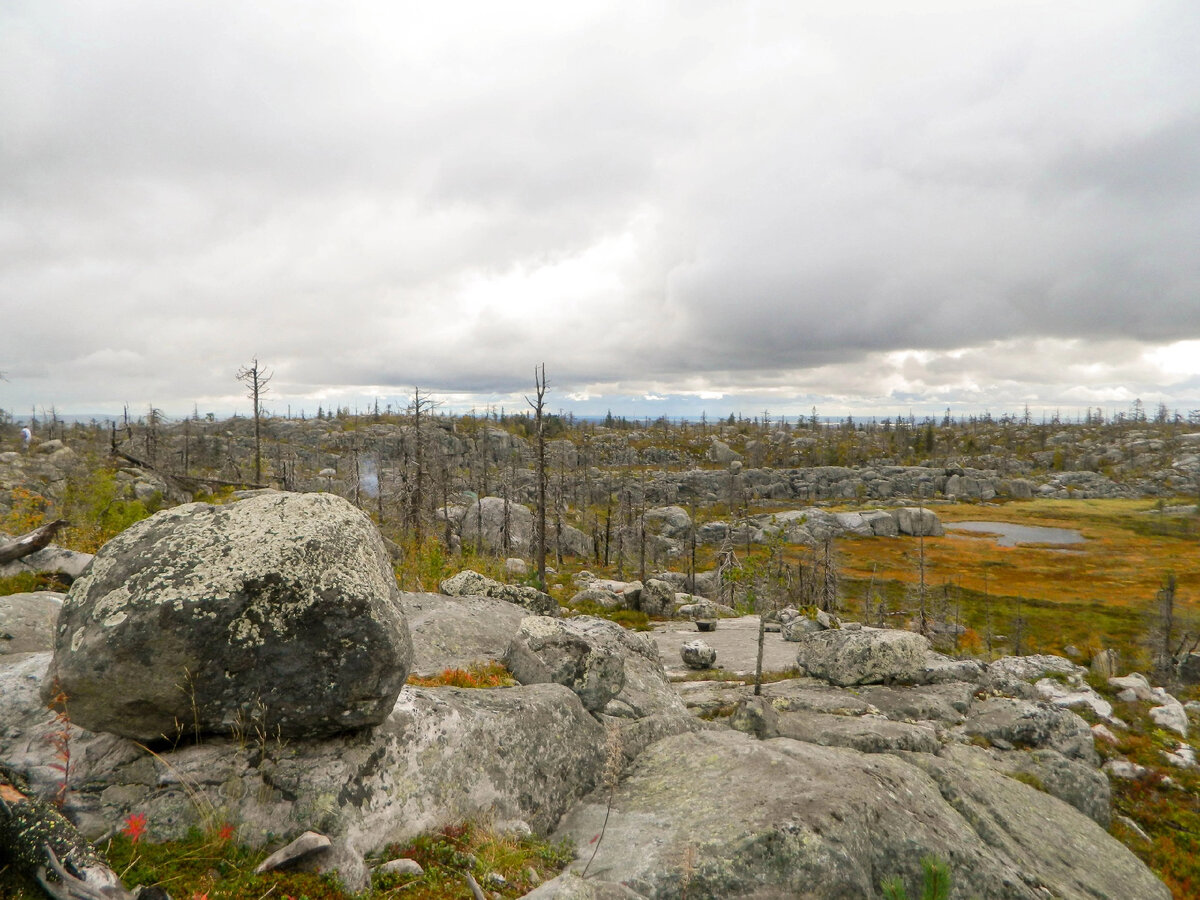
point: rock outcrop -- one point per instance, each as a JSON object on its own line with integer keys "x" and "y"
{"x": 279, "y": 612}
{"x": 468, "y": 583}
{"x": 721, "y": 814}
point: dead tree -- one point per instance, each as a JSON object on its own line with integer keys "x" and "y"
{"x": 538, "y": 404}
{"x": 256, "y": 380}
{"x": 421, "y": 406}
{"x": 30, "y": 542}
{"x": 37, "y": 839}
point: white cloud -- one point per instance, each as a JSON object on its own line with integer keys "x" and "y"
{"x": 968, "y": 202}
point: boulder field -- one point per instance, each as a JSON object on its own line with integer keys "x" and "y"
{"x": 883, "y": 753}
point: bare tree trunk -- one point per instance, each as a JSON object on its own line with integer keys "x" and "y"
{"x": 256, "y": 381}
{"x": 538, "y": 405}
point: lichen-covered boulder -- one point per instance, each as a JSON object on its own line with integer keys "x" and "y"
{"x": 279, "y": 612}
{"x": 658, "y": 598}
{"x": 844, "y": 656}
{"x": 1007, "y": 723}
{"x": 546, "y": 650}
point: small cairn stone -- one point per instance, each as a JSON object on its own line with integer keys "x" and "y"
{"x": 698, "y": 655}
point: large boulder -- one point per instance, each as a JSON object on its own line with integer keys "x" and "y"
{"x": 1009, "y": 723}
{"x": 657, "y": 598}
{"x": 280, "y": 612}
{"x": 917, "y": 521}
{"x": 454, "y": 632}
{"x": 845, "y": 656}
{"x": 548, "y": 650}
{"x": 720, "y": 814}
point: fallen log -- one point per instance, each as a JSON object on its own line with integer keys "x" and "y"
{"x": 36, "y": 838}
{"x": 31, "y": 542}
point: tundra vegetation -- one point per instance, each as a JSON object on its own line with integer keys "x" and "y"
{"x": 1128, "y": 482}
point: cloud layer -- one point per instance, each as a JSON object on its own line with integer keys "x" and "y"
{"x": 971, "y": 204}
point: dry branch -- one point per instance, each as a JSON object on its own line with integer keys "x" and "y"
{"x": 31, "y": 542}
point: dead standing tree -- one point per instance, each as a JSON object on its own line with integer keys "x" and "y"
{"x": 256, "y": 380}
{"x": 420, "y": 408}
{"x": 538, "y": 405}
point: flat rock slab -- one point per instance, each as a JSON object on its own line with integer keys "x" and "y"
{"x": 721, "y": 814}
{"x": 736, "y": 643}
{"x": 868, "y": 734}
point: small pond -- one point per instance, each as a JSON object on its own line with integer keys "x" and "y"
{"x": 1009, "y": 535}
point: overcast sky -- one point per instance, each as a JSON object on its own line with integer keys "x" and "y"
{"x": 675, "y": 207}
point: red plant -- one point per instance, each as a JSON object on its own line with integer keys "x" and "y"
{"x": 225, "y": 833}
{"x": 135, "y": 826}
{"x": 60, "y": 739}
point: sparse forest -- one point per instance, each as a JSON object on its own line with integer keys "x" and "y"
{"x": 760, "y": 515}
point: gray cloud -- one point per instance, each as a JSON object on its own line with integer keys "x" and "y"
{"x": 765, "y": 202}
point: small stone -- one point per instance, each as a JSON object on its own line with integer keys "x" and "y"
{"x": 1102, "y": 733}
{"x": 1123, "y": 768}
{"x": 401, "y": 867}
{"x": 307, "y": 844}
{"x": 698, "y": 655}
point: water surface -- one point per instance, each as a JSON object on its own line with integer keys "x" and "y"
{"x": 1010, "y": 535}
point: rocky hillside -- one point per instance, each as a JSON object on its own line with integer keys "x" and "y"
{"x": 266, "y": 644}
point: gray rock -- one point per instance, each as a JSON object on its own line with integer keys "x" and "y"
{"x": 1171, "y": 716}
{"x": 27, "y": 621}
{"x": 939, "y": 669}
{"x": 1074, "y": 782}
{"x": 468, "y": 583}
{"x": 454, "y": 632}
{"x": 698, "y": 655}
{"x": 484, "y": 523}
{"x": 1045, "y": 837}
{"x": 52, "y": 560}
{"x": 307, "y": 844}
{"x": 730, "y": 816}
{"x": 280, "y": 612}
{"x": 441, "y": 756}
{"x": 946, "y": 703}
{"x": 917, "y": 521}
{"x": 548, "y": 650}
{"x": 601, "y": 597}
{"x": 657, "y": 598}
{"x": 669, "y": 521}
{"x": 867, "y": 734}
{"x": 1136, "y": 684}
{"x": 1037, "y": 666}
{"x": 401, "y": 867}
{"x": 720, "y": 452}
{"x": 867, "y": 656}
{"x": 756, "y": 716}
{"x": 1008, "y": 723}
{"x": 882, "y": 524}
{"x": 572, "y": 886}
